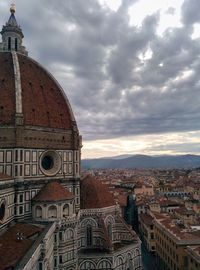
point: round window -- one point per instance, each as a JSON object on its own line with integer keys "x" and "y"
{"x": 2, "y": 211}
{"x": 47, "y": 162}
{"x": 50, "y": 163}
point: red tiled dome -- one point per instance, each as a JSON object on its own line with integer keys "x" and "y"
{"x": 43, "y": 101}
{"x": 94, "y": 194}
{"x": 53, "y": 192}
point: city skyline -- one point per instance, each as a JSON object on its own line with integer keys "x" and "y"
{"x": 130, "y": 70}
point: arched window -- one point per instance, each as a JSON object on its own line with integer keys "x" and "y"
{"x": 74, "y": 207}
{"x": 137, "y": 258}
{"x": 38, "y": 211}
{"x": 87, "y": 265}
{"x": 16, "y": 44}
{"x": 9, "y": 43}
{"x": 104, "y": 265}
{"x": 69, "y": 234}
{"x": 66, "y": 210}
{"x": 109, "y": 228}
{"x": 89, "y": 235}
{"x": 129, "y": 263}
{"x": 52, "y": 212}
{"x": 119, "y": 264}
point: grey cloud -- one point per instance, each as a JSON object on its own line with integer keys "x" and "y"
{"x": 171, "y": 11}
{"x": 112, "y": 90}
{"x": 177, "y": 147}
{"x": 190, "y": 12}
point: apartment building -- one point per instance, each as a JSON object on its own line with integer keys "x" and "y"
{"x": 171, "y": 242}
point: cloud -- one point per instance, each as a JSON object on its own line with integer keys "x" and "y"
{"x": 171, "y": 11}
{"x": 190, "y": 13}
{"x": 121, "y": 80}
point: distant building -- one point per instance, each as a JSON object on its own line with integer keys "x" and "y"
{"x": 146, "y": 228}
{"x": 144, "y": 190}
{"x": 172, "y": 241}
{"x": 193, "y": 254}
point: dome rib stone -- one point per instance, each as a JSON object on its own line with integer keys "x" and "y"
{"x": 18, "y": 89}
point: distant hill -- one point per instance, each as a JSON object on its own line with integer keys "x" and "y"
{"x": 143, "y": 161}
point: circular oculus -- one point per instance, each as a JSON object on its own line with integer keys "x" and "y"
{"x": 50, "y": 163}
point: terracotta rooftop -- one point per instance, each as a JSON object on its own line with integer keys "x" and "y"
{"x": 184, "y": 211}
{"x": 94, "y": 194}
{"x": 53, "y": 191}
{"x": 122, "y": 200}
{"x": 43, "y": 103}
{"x": 195, "y": 250}
{"x": 169, "y": 203}
{"x": 4, "y": 177}
{"x": 13, "y": 249}
{"x": 147, "y": 219}
{"x": 170, "y": 225}
{"x": 7, "y": 89}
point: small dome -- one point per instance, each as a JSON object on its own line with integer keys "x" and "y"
{"x": 94, "y": 194}
{"x": 53, "y": 192}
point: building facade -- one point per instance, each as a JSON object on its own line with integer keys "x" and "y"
{"x": 49, "y": 218}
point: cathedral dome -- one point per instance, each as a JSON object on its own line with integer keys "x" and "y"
{"x": 94, "y": 194}
{"x": 27, "y": 89}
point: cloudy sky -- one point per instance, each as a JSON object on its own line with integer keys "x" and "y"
{"x": 130, "y": 69}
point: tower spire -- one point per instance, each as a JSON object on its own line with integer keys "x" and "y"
{"x": 12, "y": 34}
{"x": 12, "y": 20}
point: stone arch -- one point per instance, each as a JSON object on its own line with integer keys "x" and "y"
{"x": 87, "y": 264}
{"x": 104, "y": 264}
{"x": 109, "y": 222}
{"x": 137, "y": 257}
{"x": 129, "y": 255}
{"x": 109, "y": 219}
{"x": 110, "y": 230}
{"x": 52, "y": 211}
{"x": 89, "y": 235}
{"x": 119, "y": 263}
{"x": 137, "y": 252}
{"x": 129, "y": 262}
{"x": 66, "y": 210}
{"x": 38, "y": 211}
{"x": 89, "y": 221}
{"x": 69, "y": 234}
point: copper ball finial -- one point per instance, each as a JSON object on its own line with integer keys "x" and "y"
{"x": 12, "y": 8}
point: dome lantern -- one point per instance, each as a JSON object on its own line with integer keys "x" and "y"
{"x": 12, "y": 35}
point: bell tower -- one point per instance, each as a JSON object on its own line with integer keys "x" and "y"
{"x": 12, "y": 35}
